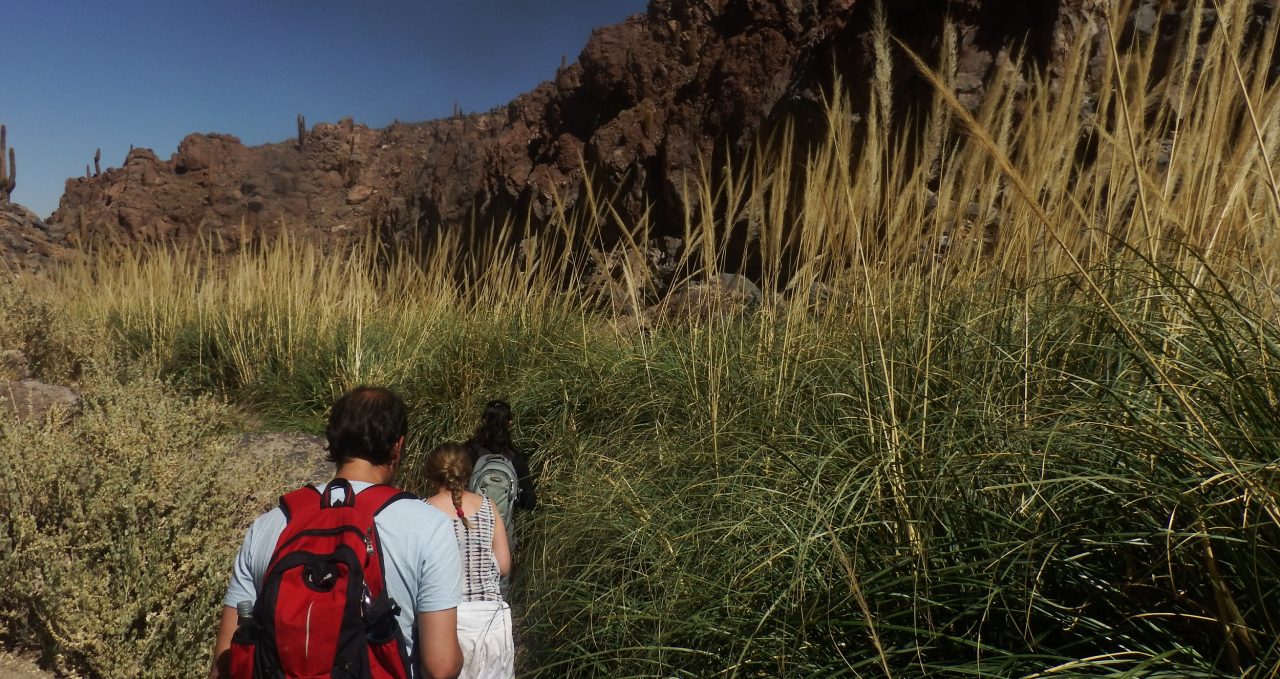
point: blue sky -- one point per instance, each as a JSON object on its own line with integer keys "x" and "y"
{"x": 83, "y": 75}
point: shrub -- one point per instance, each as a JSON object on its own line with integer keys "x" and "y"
{"x": 122, "y": 523}
{"x": 56, "y": 346}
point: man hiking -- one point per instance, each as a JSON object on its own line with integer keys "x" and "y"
{"x": 352, "y": 578}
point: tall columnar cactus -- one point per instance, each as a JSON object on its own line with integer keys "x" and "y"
{"x": 8, "y": 176}
{"x": 302, "y": 133}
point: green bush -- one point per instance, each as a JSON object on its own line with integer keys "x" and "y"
{"x": 55, "y": 346}
{"x": 121, "y": 526}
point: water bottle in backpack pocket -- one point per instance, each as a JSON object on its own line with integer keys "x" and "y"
{"x": 244, "y": 643}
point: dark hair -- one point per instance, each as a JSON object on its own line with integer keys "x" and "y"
{"x": 365, "y": 423}
{"x": 494, "y": 432}
{"x": 448, "y": 468}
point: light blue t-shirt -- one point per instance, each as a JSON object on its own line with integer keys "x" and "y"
{"x": 421, "y": 566}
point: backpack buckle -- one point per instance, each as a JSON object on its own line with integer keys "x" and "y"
{"x": 320, "y": 577}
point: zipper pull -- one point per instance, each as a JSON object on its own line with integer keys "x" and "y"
{"x": 368, "y": 542}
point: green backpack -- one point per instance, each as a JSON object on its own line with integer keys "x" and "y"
{"x": 494, "y": 477}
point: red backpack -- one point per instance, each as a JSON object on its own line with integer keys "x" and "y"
{"x": 323, "y": 610}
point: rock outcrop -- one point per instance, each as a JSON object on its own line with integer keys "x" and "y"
{"x": 28, "y": 399}
{"x": 305, "y": 455}
{"x": 646, "y": 103}
{"x": 26, "y": 241}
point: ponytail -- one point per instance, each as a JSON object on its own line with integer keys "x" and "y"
{"x": 457, "y": 505}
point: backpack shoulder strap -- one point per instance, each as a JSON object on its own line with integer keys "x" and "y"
{"x": 376, "y": 498}
{"x": 300, "y": 501}
{"x": 373, "y": 499}
{"x": 368, "y": 504}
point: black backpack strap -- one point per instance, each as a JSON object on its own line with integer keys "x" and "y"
{"x": 403, "y": 495}
{"x": 346, "y": 499}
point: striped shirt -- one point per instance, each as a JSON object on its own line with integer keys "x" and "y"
{"x": 479, "y": 566}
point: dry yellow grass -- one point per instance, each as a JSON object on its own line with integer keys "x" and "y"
{"x": 1006, "y": 408}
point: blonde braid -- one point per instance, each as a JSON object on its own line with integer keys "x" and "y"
{"x": 449, "y": 468}
{"x": 456, "y": 492}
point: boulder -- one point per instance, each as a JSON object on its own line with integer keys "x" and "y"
{"x": 26, "y": 241}
{"x": 306, "y": 455}
{"x": 359, "y": 194}
{"x": 734, "y": 293}
{"x": 14, "y": 366}
{"x": 203, "y": 151}
{"x": 32, "y": 400}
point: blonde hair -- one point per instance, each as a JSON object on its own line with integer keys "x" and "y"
{"x": 449, "y": 468}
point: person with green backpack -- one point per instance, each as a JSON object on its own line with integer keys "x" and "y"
{"x": 500, "y": 469}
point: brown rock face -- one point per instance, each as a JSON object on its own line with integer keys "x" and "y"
{"x": 646, "y": 103}
{"x": 26, "y": 241}
{"x": 32, "y": 400}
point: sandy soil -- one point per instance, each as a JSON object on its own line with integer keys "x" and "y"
{"x": 12, "y": 667}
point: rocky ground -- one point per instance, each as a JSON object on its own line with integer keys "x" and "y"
{"x": 17, "y": 667}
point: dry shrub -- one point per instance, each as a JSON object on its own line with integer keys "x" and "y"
{"x": 54, "y": 345}
{"x": 122, "y": 526}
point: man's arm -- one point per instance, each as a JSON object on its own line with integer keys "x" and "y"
{"x": 438, "y": 644}
{"x": 259, "y": 541}
{"x": 222, "y": 646}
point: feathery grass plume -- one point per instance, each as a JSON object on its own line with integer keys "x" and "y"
{"x": 1006, "y": 407}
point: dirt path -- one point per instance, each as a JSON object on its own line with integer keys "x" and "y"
{"x": 12, "y": 667}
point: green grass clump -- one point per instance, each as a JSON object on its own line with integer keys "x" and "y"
{"x": 951, "y": 500}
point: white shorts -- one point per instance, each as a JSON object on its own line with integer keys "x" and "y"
{"x": 484, "y": 632}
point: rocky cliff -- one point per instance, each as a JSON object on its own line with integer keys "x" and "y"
{"x": 646, "y": 101}
{"x": 25, "y": 239}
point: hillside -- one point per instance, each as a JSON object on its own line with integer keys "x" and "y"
{"x": 644, "y": 105}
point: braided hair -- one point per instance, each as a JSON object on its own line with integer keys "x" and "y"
{"x": 448, "y": 467}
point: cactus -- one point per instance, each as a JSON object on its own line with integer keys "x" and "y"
{"x": 8, "y": 176}
{"x": 97, "y": 158}
{"x": 302, "y": 133}
{"x": 351, "y": 169}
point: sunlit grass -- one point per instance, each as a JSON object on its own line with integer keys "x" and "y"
{"x": 1007, "y": 406}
